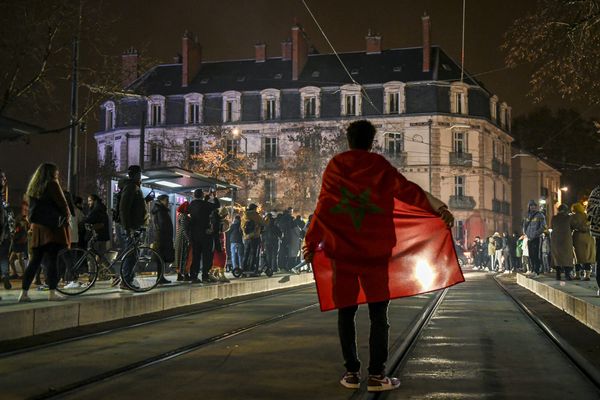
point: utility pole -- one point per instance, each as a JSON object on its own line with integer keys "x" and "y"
{"x": 142, "y": 137}
{"x": 72, "y": 171}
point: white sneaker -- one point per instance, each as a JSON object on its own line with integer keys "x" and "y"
{"x": 475, "y": 268}
{"x": 73, "y": 285}
{"x": 54, "y": 296}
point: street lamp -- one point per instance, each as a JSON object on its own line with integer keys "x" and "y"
{"x": 237, "y": 134}
{"x": 564, "y": 189}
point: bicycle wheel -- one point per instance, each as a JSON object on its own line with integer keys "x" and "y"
{"x": 142, "y": 268}
{"x": 77, "y": 271}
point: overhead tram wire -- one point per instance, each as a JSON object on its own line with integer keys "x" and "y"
{"x": 362, "y": 89}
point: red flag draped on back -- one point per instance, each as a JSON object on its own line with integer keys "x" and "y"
{"x": 375, "y": 235}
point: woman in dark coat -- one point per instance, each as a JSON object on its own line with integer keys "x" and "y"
{"x": 46, "y": 240}
{"x": 163, "y": 227}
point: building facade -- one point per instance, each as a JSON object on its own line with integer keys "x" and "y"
{"x": 450, "y": 136}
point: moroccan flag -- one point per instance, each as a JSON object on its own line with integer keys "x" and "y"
{"x": 376, "y": 236}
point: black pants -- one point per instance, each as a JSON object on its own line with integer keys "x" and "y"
{"x": 251, "y": 248}
{"x": 202, "y": 252}
{"x": 378, "y": 337}
{"x": 533, "y": 245}
{"x": 271, "y": 254}
{"x": 46, "y": 253}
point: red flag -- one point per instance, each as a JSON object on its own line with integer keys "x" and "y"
{"x": 375, "y": 235}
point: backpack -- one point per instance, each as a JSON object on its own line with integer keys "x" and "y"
{"x": 249, "y": 227}
{"x": 116, "y": 212}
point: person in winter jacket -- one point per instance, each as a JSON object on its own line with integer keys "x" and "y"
{"x": 562, "y": 243}
{"x": 533, "y": 227}
{"x": 593, "y": 212}
{"x": 163, "y": 228}
{"x": 200, "y": 210}
{"x": 252, "y": 224}
{"x": 271, "y": 236}
{"x": 132, "y": 215}
{"x": 182, "y": 242}
{"x": 236, "y": 242}
{"x": 219, "y": 224}
{"x": 583, "y": 242}
{"x": 491, "y": 251}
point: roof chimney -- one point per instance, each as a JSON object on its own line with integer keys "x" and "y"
{"x": 286, "y": 50}
{"x": 129, "y": 67}
{"x": 260, "y": 51}
{"x": 426, "y": 42}
{"x": 373, "y": 43}
{"x": 299, "y": 51}
{"x": 191, "y": 55}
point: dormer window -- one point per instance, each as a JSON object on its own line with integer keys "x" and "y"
{"x": 351, "y": 100}
{"x": 193, "y": 108}
{"x": 232, "y": 106}
{"x": 156, "y": 110}
{"x": 503, "y": 115}
{"x": 494, "y": 108}
{"x": 459, "y": 103}
{"x": 393, "y": 99}
{"x": 109, "y": 116}
{"x": 270, "y": 104}
{"x": 310, "y": 102}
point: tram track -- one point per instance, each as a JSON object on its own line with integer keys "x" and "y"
{"x": 59, "y": 392}
{"x": 104, "y": 332}
{"x": 580, "y": 363}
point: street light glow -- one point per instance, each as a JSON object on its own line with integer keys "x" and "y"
{"x": 564, "y": 189}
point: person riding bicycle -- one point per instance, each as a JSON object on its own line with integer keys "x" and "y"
{"x": 132, "y": 213}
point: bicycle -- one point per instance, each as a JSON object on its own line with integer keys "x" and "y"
{"x": 79, "y": 272}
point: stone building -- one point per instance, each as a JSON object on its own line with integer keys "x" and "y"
{"x": 450, "y": 136}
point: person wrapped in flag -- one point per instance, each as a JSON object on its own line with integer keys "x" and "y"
{"x": 375, "y": 236}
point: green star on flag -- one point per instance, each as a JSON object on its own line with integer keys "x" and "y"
{"x": 357, "y": 214}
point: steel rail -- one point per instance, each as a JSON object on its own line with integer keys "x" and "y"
{"x": 583, "y": 365}
{"x": 400, "y": 355}
{"x": 30, "y": 349}
{"x": 54, "y": 393}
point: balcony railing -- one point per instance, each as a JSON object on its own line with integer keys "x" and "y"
{"x": 269, "y": 163}
{"x": 461, "y": 202}
{"x": 461, "y": 159}
{"x": 397, "y": 159}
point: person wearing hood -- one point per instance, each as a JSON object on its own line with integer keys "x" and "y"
{"x": 252, "y": 224}
{"x": 163, "y": 228}
{"x": 562, "y": 243}
{"x": 533, "y": 227}
{"x": 583, "y": 242}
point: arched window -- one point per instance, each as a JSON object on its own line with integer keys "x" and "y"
{"x": 351, "y": 100}
{"x": 232, "y": 106}
{"x": 193, "y": 108}
{"x": 156, "y": 110}
{"x": 393, "y": 97}
{"x": 110, "y": 116}
{"x": 459, "y": 101}
{"x": 310, "y": 102}
{"x": 270, "y": 104}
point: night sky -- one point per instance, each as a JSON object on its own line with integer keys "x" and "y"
{"x": 229, "y": 29}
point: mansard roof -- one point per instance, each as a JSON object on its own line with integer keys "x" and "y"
{"x": 321, "y": 70}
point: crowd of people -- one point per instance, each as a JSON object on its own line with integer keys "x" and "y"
{"x": 203, "y": 242}
{"x": 568, "y": 246}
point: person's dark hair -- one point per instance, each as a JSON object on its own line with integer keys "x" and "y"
{"x": 198, "y": 194}
{"x": 95, "y": 197}
{"x": 360, "y": 135}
